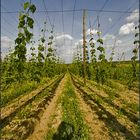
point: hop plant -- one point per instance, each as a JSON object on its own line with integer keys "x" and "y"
{"x": 101, "y": 72}
{"x": 134, "y": 58}
{"x": 135, "y": 52}
{"x": 24, "y": 37}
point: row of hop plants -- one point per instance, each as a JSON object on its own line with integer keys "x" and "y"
{"x": 16, "y": 67}
{"x": 135, "y": 74}
{"x": 98, "y": 68}
{"x": 95, "y": 67}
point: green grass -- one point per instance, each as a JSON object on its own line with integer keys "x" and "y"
{"x": 27, "y": 112}
{"x": 72, "y": 113}
{"x": 72, "y": 124}
{"x": 17, "y": 89}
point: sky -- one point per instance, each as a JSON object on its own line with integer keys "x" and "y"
{"x": 117, "y": 27}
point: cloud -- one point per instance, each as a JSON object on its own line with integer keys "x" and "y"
{"x": 120, "y": 48}
{"x": 64, "y": 45}
{"x": 91, "y": 31}
{"x": 61, "y": 40}
{"x": 64, "y": 36}
{"x": 110, "y": 41}
{"x": 6, "y": 42}
{"x": 79, "y": 42}
{"x": 108, "y": 37}
{"x": 118, "y": 42}
{"x": 127, "y": 29}
{"x": 134, "y": 16}
{"x": 110, "y": 20}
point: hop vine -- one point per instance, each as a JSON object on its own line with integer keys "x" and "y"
{"x": 24, "y": 37}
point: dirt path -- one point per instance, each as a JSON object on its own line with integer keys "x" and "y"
{"x": 54, "y": 122}
{"x": 105, "y": 113}
{"x": 123, "y": 91}
{"x": 41, "y": 127}
{"x": 97, "y": 128}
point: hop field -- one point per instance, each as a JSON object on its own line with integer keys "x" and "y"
{"x": 93, "y": 97}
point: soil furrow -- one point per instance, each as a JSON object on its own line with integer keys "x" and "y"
{"x": 41, "y": 127}
{"x": 98, "y": 130}
{"x": 114, "y": 123}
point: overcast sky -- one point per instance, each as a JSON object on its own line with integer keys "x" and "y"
{"x": 115, "y": 26}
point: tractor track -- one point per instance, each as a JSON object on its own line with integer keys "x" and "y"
{"x": 111, "y": 121}
{"x": 10, "y": 111}
{"x": 42, "y": 126}
{"x": 133, "y": 118}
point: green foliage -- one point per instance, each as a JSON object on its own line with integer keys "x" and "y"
{"x": 96, "y": 70}
{"x": 101, "y": 49}
{"x": 10, "y": 94}
{"x": 137, "y": 34}
{"x": 32, "y": 8}
{"x": 136, "y": 41}
{"x": 77, "y": 65}
{"x": 26, "y": 5}
{"x": 134, "y": 58}
{"x": 101, "y": 69}
{"x": 16, "y": 68}
{"x": 100, "y": 41}
{"x": 24, "y": 37}
{"x": 92, "y": 50}
{"x": 72, "y": 114}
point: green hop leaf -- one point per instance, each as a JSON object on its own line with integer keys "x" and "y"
{"x": 18, "y": 40}
{"x": 41, "y": 48}
{"x": 90, "y": 39}
{"x": 21, "y": 23}
{"x": 136, "y": 34}
{"x": 50, "y": 50}
{"x": 22, "y": 17}
{"x": 134, "y": 58}
{"x": 136, "y": 41}
{"x": 135, "y": 50}
{"x": 42, "y": 40}
{"x": 51, "y": 37}
{"x": 92, "y": 51}
{"x": 101, "y": 49}
{"x": 100, "y": 40}
{"x": 101, "y": 57}
{"x": 33, "y": 8}
{"x": 50, "y": 43}
{"x": 28, "y": 35}
{"x": 30, "y": 22}
{"x": 26, "y": 5}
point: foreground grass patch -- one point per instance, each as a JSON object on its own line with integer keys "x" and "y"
{"x": 72, "y": 126}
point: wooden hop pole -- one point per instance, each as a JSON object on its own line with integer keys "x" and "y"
{"x": 84, "y": 45}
